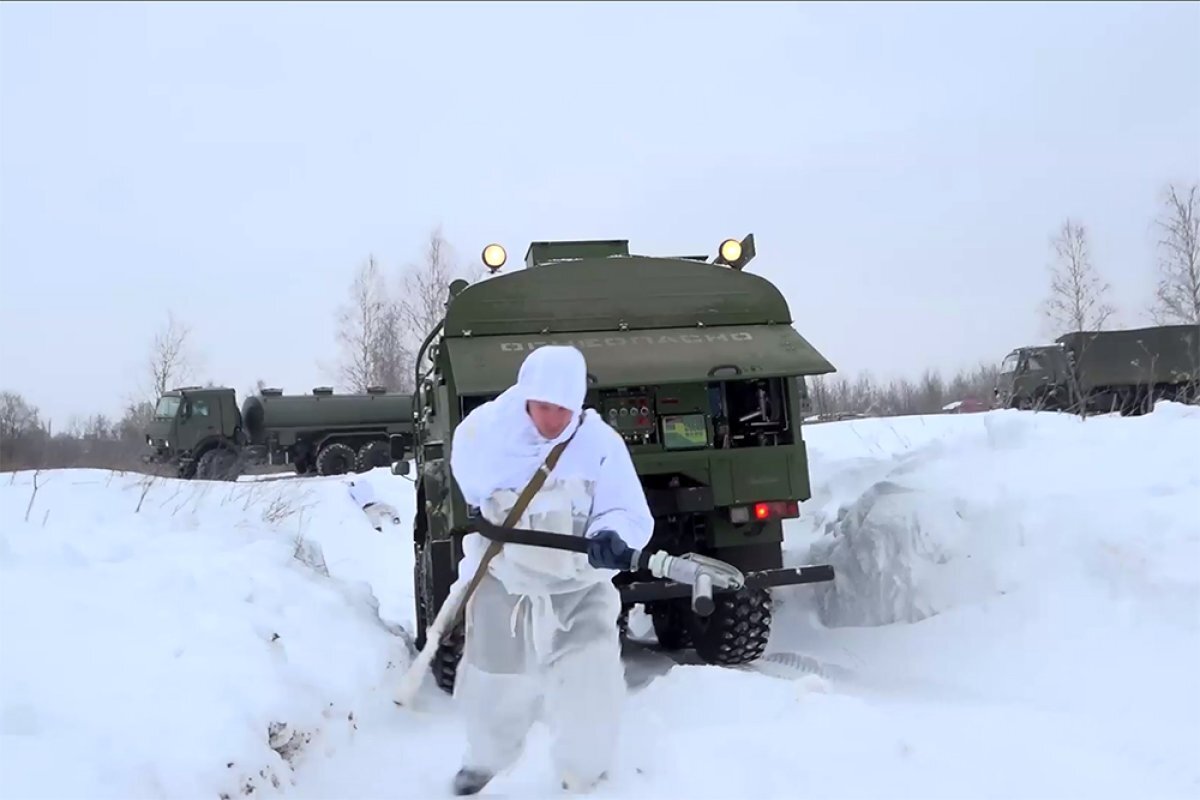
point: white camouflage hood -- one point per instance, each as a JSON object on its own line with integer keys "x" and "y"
{"x": 506, "y": 449}
{"x": 554, "y": 374}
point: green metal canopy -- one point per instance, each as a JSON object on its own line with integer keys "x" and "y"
{"x": 614, "y": 294}
{"x": 489, "y": 364}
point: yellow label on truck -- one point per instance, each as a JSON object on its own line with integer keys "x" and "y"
{"x": 685, "y": 431}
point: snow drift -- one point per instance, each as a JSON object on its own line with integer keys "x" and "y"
{"x": 1016, "y": 613}
{"x": 959, "y": 510}
{"x": 178, "y": 639}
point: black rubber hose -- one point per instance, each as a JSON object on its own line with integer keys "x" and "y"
{"x": 554, "y": 541}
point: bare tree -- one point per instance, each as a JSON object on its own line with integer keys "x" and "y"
{"x": 357, "y": 325}
{"x": 426, "y": 288}
{"x": 170, "y": 361}
{"x": 372, "y": 353}
{"x": 132, "y": 425}
{"x": 1177, "y": 298}
{"x": 23, "y": 436}
{"x": 820, "y": 395}
{"x": 1077, "y": 294}
{"x": 381, "y": 330}
{"x": 99, "y": 427}
{"x": 932, "y": 392}
{"x": 391, "y": 351}
{"x": 17, "y": 416}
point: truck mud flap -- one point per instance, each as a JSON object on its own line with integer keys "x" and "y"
{"x": 650, "y": 591}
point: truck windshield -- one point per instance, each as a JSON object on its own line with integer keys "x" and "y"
{"x": 167, "y": 407}
{"x": 1010, "y": 364}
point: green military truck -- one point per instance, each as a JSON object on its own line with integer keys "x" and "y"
{"x": 1125, "y": 371}
{"x": 202, "y": 432}
{"x": 695, "y": 364}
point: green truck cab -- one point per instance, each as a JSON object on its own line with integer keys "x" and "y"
{"x": 1123, "y": 371}
{"x": 203, "y": 433}
{"x": 698, "y": 367}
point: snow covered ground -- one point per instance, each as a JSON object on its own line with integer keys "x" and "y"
{"x": 1016, "y": 614}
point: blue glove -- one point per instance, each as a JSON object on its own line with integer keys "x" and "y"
{"x": 607, "y": 550}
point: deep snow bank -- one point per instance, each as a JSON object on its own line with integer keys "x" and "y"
{"x": 177, "y": 639}
{"x": 926, "y": 514}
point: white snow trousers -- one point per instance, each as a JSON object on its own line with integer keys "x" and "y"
{"x": 516, "y": 647}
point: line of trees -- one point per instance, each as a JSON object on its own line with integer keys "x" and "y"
{"x": 836, "y": 395}
{"x": 1079, "y": 297}
{"x": 386, "y": 315}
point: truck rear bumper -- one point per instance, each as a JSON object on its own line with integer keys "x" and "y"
{"x": 650, "y": 591}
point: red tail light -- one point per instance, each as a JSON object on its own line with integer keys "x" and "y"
{"x": 763, "y": 512}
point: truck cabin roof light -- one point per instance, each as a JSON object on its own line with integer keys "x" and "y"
{"x": 731, "y": 250}
{"x": 494, "y": 257}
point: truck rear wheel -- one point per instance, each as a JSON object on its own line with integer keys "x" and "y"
{"x": 372, "y": 455}
{"x": 444, "y": 665}
{"x": 445, "y": 661}
{"x": 335, "y": 459}
{"x": 737, "y": 630}
{"x": 217, "y": 464}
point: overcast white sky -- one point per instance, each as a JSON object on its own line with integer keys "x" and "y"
{"x": 901, "y": 166}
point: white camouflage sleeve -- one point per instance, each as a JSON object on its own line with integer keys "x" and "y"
{"x": 619, "y": 503}
{"x": 467, "y": 468}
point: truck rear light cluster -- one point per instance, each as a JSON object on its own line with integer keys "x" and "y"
{"x": 763, "y": 512}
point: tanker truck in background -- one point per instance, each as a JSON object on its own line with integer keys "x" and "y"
{"x": 202, "y": 432}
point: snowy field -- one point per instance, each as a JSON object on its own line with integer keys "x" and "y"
{"x": 1016, "y": 615}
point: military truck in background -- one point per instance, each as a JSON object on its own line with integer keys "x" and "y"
{"x": 695, "y": 364}
{"x": 1090, "y": 372}
{"x": 205, "y": 435}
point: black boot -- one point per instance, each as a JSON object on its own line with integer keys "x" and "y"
{"x": 470, "y": 781}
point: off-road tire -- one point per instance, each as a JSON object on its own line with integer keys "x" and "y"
{"x": 372, "y": 455}
{"x": 671, "y": 624}
{"x": 737, "y": 630}
{"x": 333, "y": 456}
{"x": 217, "y": 464}
{"x": 445, "y": 661}
{"x": 444, "y": 664}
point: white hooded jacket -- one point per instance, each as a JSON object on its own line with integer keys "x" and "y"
{"x": 495, "y": 452}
